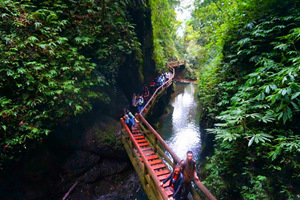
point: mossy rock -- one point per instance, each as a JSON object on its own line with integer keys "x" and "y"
{"x": 106, "y": 168}
{"x": 103, "y": 137}
{"x": 79, "y": 162}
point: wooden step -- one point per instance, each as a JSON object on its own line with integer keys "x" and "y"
{"x": 138, "y": 137}
{"x": 155, "y": 162}
{"x": 166, "y": 185}
{"x": 136, "y": 131}
{"x": 162, "y": 172}
{"x": 152, "y": 157}
{"x": 145, "y": 149}
{"x": 163, "y": 177}
{"x": 148, "y": 151}
{"x": 142, "y": 140}
{"x": 168, "y": 192}
{"x": 144, "y": 144}
{"x": 158, "y": 166}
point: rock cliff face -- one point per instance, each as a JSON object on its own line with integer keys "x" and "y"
{"x": 135, "y": 73}
{"x": 88, "y": 147}
{"x": 98, "y": 151}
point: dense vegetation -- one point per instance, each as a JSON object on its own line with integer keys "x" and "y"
{"x": 164, "y": 31}
{"x": 57, "y": 59}
{"x": 248, "y": 56}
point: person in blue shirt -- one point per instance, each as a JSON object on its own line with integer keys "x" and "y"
{"x": 129, "y": 119}
{"x": 140, "y": 103}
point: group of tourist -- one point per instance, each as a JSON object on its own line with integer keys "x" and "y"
{"x": 163, "y": 78}
{"x": 140, "y": 101}
{"x": 181, "y": 177}
{"x": 183, "y": 172}
{"x": 158, "y": 81}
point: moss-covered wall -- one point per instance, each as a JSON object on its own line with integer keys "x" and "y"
{"x": 88, "y": 142}
{"x": 134, "y": 73}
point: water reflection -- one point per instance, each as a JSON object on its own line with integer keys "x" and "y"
{"x": 180, "y": 129}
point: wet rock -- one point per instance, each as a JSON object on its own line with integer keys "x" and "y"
{"x": 80, "y": 162}
{"x": 102, "y": 138}
{"x": 105, "y": 168}
{"x": 118, "y": 101}
{"x": 120, "y": 186}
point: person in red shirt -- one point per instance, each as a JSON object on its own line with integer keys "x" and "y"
{"x": 176, "y": 180}
{"x": 146, "y": 92}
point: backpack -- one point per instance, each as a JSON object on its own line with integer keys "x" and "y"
{"x": 141, "y": 101}
{"x": 130, "y": 115}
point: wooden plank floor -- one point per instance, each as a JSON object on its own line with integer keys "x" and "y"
{"x": 160, "y": 168}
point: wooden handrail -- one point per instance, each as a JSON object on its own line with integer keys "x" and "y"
{"x": 176, "y": 159}
{"x": 70, "y": 190}
{"x": 146, "y": 162}
{"x": 205, "y": 191}
{"x": 157, "y": 89}
{"x": 159, "y": 138}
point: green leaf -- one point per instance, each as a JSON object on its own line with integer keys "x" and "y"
{"x": 267, "y": 89}
{"x": 32, "y": 39}
{"x": 295, "y": 95}
{"x": 250, "y": 141}
{"x": 295, "y": 105}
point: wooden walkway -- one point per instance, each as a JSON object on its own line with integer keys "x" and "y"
{"x": 146, "y": 150}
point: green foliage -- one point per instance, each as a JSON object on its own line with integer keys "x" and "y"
{"x": 164, "y": 32}
{"x": 249, "y": 86}
{"x": 56, "y": 59}
{"x": 189, "y": 73}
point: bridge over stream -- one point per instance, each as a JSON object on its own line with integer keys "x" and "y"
{"x": 146, "y": 150}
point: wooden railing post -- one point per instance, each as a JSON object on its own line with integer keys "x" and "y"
{"x": 144, "y": 173}
{"x": 154, "y": 142}
{"x": 146, "y": 162}
{"x": 147, "y": 173}
{"x": 131, "y": 147}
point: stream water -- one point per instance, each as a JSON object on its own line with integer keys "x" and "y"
{"x": 180, "y": 127}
